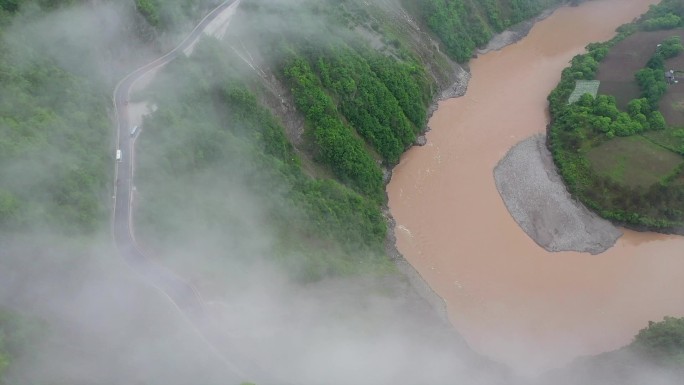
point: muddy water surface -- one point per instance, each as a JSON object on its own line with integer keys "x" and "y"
{"x": 511, "y": 299}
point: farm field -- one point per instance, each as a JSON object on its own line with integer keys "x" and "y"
{"x": 633, "y": 161}
{"x": 671, "y": 138}
{"x": 616, "y": 72}
{"x": 584, "y": 87}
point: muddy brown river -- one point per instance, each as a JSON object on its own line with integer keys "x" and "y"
{"x": 512, "y": 300}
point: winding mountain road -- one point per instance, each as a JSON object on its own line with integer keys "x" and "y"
{"x": 183, "y": 295}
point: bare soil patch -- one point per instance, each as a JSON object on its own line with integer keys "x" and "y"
{"x": 617, "y": 69}
{"x": 623, "y": 91}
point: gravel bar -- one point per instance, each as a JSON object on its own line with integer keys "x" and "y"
{"x": 536, "y": 197}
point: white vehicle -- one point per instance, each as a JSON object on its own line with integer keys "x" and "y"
{"x": 134, "y": 129}
{"x": 118, "y": 155}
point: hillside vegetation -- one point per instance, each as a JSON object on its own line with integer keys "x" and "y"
{"x": 235, "y": 147}
{"x": 371, "y": 77}
{"x": 279, "y": 161}
{"x": 56, "y": 162}
{"x": 54, "y": 135}
{"x": 360, "y": 108}
{"x": 624, "y": 158}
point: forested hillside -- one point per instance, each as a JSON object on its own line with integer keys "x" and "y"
{"x": 56, "y": 153}
{"x": 361, "y": 77}
{"x": 360, "y": 109}
{"x": 53, "y": 141}
{"x": 268, "y": 151}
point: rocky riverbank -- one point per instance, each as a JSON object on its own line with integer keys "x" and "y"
{"x": 514, "y": 34}
{"x": 457, "y": 89}
{"x": 536, "y": 197}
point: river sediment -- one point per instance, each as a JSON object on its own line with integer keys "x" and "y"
{"x": 536, "y": 197}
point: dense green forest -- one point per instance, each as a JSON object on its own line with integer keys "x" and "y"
{"x": 623, "y": 162}
{"x": 367, "y": 90}
{"x": 53, "y": 141}
{"x": 362, "y": 108}
{"x": 54, "y": 162}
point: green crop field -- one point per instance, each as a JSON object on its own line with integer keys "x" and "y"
{"x": 633, "y": 161}
{"x": 672, "y": 138}
{"x": 584, "y": 87}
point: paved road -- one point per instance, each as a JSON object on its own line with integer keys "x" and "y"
{"x": 181, "y": 293}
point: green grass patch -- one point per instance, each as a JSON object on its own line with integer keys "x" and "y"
{"x": 678, "y": 106}
{"x": 633, "y": 161}
{"x": 671, "y": 138}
